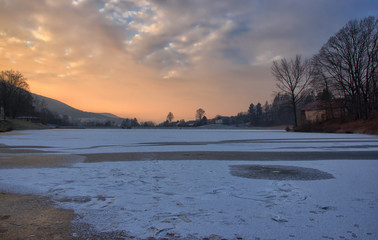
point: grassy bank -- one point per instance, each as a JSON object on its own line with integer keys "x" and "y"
{"x": 342, "y": 126}
{"x": 14, "y": 124}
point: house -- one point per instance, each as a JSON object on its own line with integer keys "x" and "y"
{"x": 318, "y": 111}
{"x": 191, "y": 123}
{"x": 220, "y": 120}
{"x": 313, "y": 112}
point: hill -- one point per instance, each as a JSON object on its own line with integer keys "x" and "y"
{"x": 75, "y": 115}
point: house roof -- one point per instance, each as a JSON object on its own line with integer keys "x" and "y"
{"x": 322, "y": 105}
{"x": 315, "y": 105}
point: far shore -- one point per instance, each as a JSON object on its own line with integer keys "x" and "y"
{"x": 330, "y": 126}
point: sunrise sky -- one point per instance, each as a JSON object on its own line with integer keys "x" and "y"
{"x": 145, "y": 58}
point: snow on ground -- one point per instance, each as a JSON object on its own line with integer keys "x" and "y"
{"x": 147, "y": 140}
{"x": 197, "y": 199}
{"x": 201, "y": 198}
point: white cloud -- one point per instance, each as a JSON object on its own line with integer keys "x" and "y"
{"x": 170, "y": 74}
{"x": 41, "y": 34}
{"x": 15, "y": 40}
{"x": 77, "y": 2}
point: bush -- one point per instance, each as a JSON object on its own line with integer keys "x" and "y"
{"x": 5, "y": 126}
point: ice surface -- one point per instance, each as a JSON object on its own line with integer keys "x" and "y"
{"x": 161, "y": 140}
{"x": 196, "y": 199}
{"x": 201, "y": 198}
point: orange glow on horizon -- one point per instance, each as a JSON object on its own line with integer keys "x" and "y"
{"x": 86, "y": 61}
{"x": 143, "y": 99}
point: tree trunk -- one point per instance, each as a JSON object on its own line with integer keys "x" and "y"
{"x": 294, "y": 111}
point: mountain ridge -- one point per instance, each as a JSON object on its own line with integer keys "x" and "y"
{"x": 74, "y": 114}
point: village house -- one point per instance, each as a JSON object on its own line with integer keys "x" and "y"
{"x": 220, "y": 120}
{"x": 313, "y": 112}
{"x": 318, "y": 111}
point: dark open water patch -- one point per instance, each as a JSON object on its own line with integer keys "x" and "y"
{"x": 278, "y": 172}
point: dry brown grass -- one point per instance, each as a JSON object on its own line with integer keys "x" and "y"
{"x": 342, "y": 126}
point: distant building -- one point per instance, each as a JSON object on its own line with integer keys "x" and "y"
{"x": 191, "y": 123}
{"x": 220, "y": 120}
{"x": 318, "y": 111}
{"x": 313, "y": 112}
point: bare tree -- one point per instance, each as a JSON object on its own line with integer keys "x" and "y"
{"x": 14, "y": 78}
{"x": 293, "y": 78}
{"x": 14, "y": 94}
{"x": 170, "y": 117}
{"x": 348, "y": 64}
{"x": 200, "y": 113}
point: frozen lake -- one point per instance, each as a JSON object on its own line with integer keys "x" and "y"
{"x": 163, "y": 140}
{"x": 194, "y": 199}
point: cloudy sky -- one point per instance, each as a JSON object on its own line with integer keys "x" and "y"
{"x": 145, "y": 58}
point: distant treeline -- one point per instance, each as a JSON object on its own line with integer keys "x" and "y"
{"x": 277, "y": 113}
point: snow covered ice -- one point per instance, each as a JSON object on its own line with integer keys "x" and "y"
{"x": 162, "y": 140}
{"x": 194, "y": 199}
